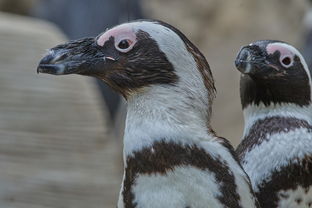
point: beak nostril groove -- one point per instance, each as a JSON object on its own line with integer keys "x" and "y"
{"x": 243, "y": 58}
{"x": 53, "y": 58}
{"x": 60, "y": 57}
{"x": 47, "y": 59}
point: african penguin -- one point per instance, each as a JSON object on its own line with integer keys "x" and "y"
{"x": 276, "y": 150}
{"x": 172, "y": 158}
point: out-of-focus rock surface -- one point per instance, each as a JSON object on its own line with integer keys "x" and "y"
{"x": 17, "y": 6}
{"x": 219, "y": 28}
{"x": 55, "y": 147}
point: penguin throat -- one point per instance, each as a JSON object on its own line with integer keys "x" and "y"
{"x": 254, "y": 113}
{"x": 274, "y": 92}
{"x": 162, "y": 113}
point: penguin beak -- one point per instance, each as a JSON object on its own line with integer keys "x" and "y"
{"x": 82, "y": 56}
{"x": 249, "y": 60}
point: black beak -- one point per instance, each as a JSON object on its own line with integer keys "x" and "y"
{"x": 82, "y": 56}
{"x": 250, "y": 60}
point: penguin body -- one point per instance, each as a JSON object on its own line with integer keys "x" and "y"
{"x": 172, "y": 158}
{"x": 276, "y": 150}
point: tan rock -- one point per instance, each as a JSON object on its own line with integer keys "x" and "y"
{"x": 55, "y": 148}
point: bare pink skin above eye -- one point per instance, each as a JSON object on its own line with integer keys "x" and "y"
{"x": 271, "y": 48}
{"x": 119, "y": 33}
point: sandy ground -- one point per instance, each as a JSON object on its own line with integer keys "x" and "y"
{"x": 56, "y": 148}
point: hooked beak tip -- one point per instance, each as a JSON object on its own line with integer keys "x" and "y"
{"x": 74, "y": 57}
{"x": 242, "y": 62}
{"x": 241, "y": 65}
{"x": 238, "y": 63}
{"x": 55, "y": 69}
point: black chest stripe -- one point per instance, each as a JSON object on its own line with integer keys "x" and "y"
{"x": 293, "y": 88}
{"x": 163, "y": 157}
{"x": 272, "y": 125}
{"x": 287, "y": 178}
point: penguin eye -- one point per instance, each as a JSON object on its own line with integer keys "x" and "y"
{"x": 124, "y": 45}
{"x": 286, "y": 61}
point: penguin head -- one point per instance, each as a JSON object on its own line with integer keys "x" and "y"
{"x": 267, "y": 59}
{"x": 273, "y": 72}
{"x": 132, "y": 57}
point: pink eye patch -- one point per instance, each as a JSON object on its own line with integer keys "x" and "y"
{"x": 286, "y": 53}
{"x": 272, "y": 48}
{"x": 119, "y": 33}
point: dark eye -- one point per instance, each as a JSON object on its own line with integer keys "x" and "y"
{"x": 286, "y": 61}
{"x": 123, "y": 44}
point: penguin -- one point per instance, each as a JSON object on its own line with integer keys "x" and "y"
{"x": 172, "y": 157}
{"x": 276, "y": 147}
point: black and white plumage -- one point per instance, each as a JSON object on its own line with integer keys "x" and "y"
{"x": 172, "y": 157}
{"x": 276, "y": 150}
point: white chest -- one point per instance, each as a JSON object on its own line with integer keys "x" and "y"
{"x": 276, "y": 152}
{"x": 182, "y": 187}
{"x": 298, "y": 198}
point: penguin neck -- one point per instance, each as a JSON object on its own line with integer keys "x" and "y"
{"x": 275, "y": 98}
{"x": 259, "y": 112}
{"x": 277, "y": 92}
{"x": 165, "y": 113}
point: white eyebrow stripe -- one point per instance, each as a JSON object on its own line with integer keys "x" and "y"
{"x": 119, "y": 32}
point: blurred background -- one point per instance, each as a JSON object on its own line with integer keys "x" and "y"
{"x": 61, "y": 137}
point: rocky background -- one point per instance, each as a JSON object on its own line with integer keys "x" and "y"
{"x": 58, "y": 148}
